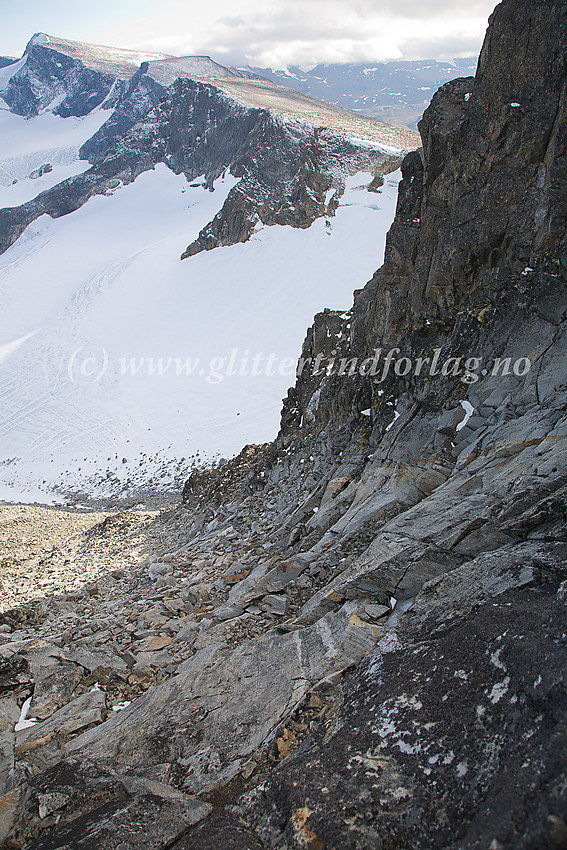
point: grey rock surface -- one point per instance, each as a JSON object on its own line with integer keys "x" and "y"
{"x": 450, "y": 740}
{"x": 196, "y": 754}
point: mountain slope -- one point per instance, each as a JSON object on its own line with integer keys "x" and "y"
{"x": 39, "y": 154}
{"x": 198, "y": 127}
{"x": 72, "y": 291}
{"x": 444, "y": 495}
{"x": 394, "y": 92}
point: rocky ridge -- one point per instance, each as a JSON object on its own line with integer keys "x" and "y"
{"x": 291, "y": 152}
{"x": 372, "y": 652}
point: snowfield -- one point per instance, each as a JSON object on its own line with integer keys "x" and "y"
{"x": 27, "y": 145}
{"x": 120, "y": 363}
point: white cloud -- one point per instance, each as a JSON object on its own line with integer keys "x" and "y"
{"x": 305, "y": 32}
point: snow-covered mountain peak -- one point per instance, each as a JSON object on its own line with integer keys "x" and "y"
{"x": 38, "y": 38}
{"x": 97, "y": 57}
{"x": 166, "y": 71}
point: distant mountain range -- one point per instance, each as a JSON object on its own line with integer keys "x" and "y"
{"x": 394, "y": 92}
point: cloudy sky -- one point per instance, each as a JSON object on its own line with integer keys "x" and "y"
{"x": 274, "y": 33}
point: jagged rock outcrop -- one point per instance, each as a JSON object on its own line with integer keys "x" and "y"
{"x": 415, "y": 516}
{"x": 141, "y": 94}
{"x": 144, "y": 91}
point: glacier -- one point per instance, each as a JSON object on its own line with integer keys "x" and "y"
{"x": 104, "y": 288}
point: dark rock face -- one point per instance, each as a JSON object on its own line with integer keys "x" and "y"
{"x": 144, "y": 91}
{"x": 274, "y": 154}
{"x": 500, "y": 139}
{"x": 118, "y": 811}
{"x": 141, "y": 94}
{"x": 450, "y": 739}
{"x": 49, "y": 76}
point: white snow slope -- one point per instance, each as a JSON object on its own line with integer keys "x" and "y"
{"x": 117, "y": 357}
{"x": 26, "y": 145}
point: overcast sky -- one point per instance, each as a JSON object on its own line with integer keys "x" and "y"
{"x": 273, "y": 33}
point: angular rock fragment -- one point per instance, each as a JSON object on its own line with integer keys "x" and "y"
{"x": 194, "y": 730}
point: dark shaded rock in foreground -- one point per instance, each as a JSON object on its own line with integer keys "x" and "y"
{"x": 119, "y": 812}
{"x": 452, "y": 735}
